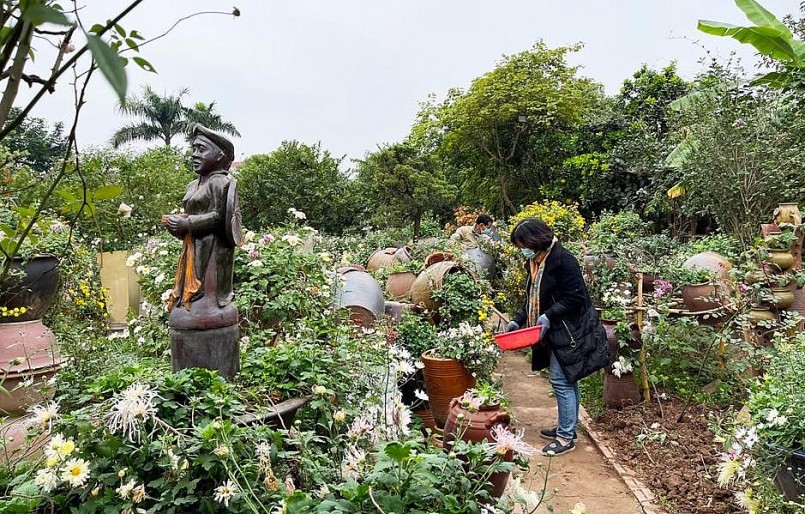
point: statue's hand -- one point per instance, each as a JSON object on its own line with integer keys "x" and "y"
{"x": 177, "y": 225}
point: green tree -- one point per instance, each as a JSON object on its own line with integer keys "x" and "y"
{"x": 42, "y": 144}
{"x": 206, "y": 115}
{"x": 296, "y": 175}
{"x": 405, "y": 184}
{"x": 503, "y": 137}
{"x": 164, "y": 117}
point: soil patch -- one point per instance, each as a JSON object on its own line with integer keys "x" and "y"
{"x": 677, "y": 459}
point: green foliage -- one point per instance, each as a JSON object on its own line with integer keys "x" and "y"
{"x": 304, "y": 177}
{"x": 503, "y": 135}
{"x": 415, "y": 334}
{"x": 164, "y": 117}
{"x": 612, "y": 230}
{"x": 404, "y": 185}
{"x": 459, "y": 299}
{"x": 39, "y": 144}
{"x": 565, "y": 220}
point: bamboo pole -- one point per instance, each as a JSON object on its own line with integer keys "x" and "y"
{"x": 642, "y": 356}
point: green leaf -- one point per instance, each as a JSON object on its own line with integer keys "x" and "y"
{"x": 37, "y": 14}
{"x": 397, "y": 451}
{"x": 766, "y": 40}
{"x": 110, "y": 64}
{"x": 773, "y": 79}
{"x": 132, "y": 44}
{"x": 758, "y": 15}
{"x": 96, "y": 29}
{"x": 142, "y": 63}
{"x": 135, "y": 35}
{"x": 107, "y": 192}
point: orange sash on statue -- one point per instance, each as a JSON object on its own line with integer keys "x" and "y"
{"x": 186, "y": 280}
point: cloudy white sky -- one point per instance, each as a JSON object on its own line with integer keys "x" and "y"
{"x": 350, "y": 73}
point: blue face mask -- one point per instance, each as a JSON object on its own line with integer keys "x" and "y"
{"x": 487, "y": 232}
{"x": 528, "y": 253}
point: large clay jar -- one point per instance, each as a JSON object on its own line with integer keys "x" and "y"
{"x": 481, "y": 262}
{"x": 757, "y": 314}
{"x": 431, "y": 280}
{"x": 620, "y": 392}
{"x": 29, "y": 356}
{"x": 783, "y": 259}
{"x": 398, "y": 285}
{"x": 783, "y": 297}
{"x": 612, "y": 339}
{"x": 798, "y": 294}
{"x": 359, "y": 293}
{"x": 476, "y": 427}
{"x": 381, "y": 259}
{"x": 445, "y": 379}
{"x": 788, "y": 213}
{"x": 700, "y": 297}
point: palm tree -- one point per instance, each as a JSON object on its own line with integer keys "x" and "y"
{"x": 206, "y": 115}
{"x": 161, "y": 117}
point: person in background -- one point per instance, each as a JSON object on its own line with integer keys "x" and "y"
{"x": 468, "y": 235}
{"x": 555, "y": 294}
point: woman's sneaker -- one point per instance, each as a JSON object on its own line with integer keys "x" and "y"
{"x": 556, "y": 448}
{"x": 550, "y": 434}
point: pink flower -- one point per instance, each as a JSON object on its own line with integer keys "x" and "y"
{"x": 268, "y": 238}
{"x": 507, "y": 441}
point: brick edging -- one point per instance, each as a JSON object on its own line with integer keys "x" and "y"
{"x": 644, "y": 496}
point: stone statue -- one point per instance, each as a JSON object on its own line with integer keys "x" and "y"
{"x": 203, "y": 319}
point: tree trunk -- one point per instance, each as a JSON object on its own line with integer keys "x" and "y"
{"x": 417, "y": 224}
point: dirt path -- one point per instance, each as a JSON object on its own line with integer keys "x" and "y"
{"x": 580, "y": 476}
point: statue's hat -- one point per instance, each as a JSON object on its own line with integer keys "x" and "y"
{"x": 219, "y": 139}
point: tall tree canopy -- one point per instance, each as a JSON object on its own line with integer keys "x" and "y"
{"x": 164, "y": 117}
{"x": 503, "y": 137}
{"x": 404, "y": 185}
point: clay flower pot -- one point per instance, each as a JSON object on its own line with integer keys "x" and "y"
{"x": 476, "y": 427}
{"x": 398, "y": 285}
{"x": 783, "y": 297}
{"x": 445, "y": 379}
{"x": 620, "y": 392}
{"x": 700, "y": 297}
{"x": 783, "y": 259}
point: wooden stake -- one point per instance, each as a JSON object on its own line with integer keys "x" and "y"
{"x": 642, "y": 356}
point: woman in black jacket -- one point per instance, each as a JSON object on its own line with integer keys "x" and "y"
{"x": 556, "y": 298}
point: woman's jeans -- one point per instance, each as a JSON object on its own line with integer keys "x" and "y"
{"x": 567, "y": 401}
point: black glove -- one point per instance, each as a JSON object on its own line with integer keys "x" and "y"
{"x": 513, "y": 325}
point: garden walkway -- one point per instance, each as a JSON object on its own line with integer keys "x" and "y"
{"x": 581, "y": 476}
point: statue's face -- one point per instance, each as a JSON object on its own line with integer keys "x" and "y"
{"x": 206, "y": 155}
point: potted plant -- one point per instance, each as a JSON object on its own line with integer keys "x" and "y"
{"x": 779, "y": 248}
{"x": 474, "y": 417}
{"x": 460, "y": 356}
{"x": 699, "y": 290}
{"x": 620, "y": 388}
{"x": 29, "y": 280}
{"x": 401, "y": 276}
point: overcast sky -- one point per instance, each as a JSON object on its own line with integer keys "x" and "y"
{"x": 350, "y": 73}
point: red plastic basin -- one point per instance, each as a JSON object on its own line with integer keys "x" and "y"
{"x": 518, "y": 339}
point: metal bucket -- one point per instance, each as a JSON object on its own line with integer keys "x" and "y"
{"x": 480, "y": 262}
{"x": 361, "y": 295}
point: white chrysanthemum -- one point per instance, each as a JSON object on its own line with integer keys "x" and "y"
{"x": 422, "y": 395}
{"x": 225, "y": 492}
{"x": 353, "y": 459}
{"x": 133, "y": 259}
{"x": 138, "y": 494}
{"x": 47, "y": 479}
{"x": 45, "y": 415}
{"x": 124, "y": 491}
{"x": 132, "y": 410}
{"x": 75, "y": 472}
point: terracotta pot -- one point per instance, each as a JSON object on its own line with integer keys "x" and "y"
{"x": 783, "y": 259}
{"x": 437, "y": 257}
{"x": 402, "y": 255}
{"x": 620, "y": 392}
{"x": 756, "y": 314}
{"x": 428, "y": 423}
{"x": 431, "y": 280}
{"x": 700, "y": 297}
{"x": 788, "y": 213}
{"x": 755, "y": 277}
{"x": 799, "y": 297}
{"x": 28, "y": 350}
{"x": 612, "y": 339}
{"x": 398, "y": 285}
{"x": 783, "y": 297}
{"x": 33, "y": 290}
{"x": 381, "y": 259}
{"x": 359, "y": 293}
{"x": 445, "y": 379}
{"x": 648, "y": 282}
{"x": 476, "y": 427}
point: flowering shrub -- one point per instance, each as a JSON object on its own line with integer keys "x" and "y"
{"x": 611, "y": 230}
{"x": 565, "y": 220}
{"x": 472, "y": 345}
{"x": 463, "y": 216}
